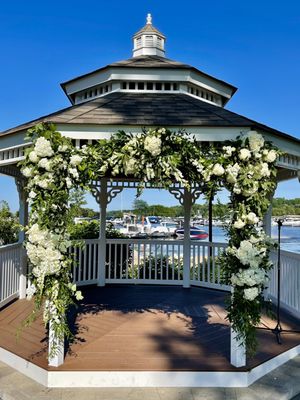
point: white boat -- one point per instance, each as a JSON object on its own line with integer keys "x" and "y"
{"x": 195, "y": 233}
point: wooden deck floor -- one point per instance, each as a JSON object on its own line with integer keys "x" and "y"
{"x": 138, "y": 328}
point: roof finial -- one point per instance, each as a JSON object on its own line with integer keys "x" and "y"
{"x": 149, "y": 19}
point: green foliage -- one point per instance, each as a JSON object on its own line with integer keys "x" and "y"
{"x": 90, "y": 230}
{"x": 9, "y": 225}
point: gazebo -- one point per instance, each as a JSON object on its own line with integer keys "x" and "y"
{"x": 146, "y": 91}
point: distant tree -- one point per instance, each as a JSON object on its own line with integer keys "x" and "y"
{"x": 140, "y": 207}
{"x": 9, "y": 225}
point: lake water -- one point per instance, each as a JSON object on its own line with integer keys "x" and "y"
{"x": 290, "y": 237}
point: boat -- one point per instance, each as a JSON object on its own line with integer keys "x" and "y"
{"x": 195, "y": 233}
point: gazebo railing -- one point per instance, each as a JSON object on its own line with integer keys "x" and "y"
{"x": 290, "y": 281}
{"x": 145, "y": 261}
{"x": 10, "y": 265}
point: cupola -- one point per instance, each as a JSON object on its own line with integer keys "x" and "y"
{"x": 149, "y": 41}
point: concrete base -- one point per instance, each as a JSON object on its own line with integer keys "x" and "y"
{"x": 115, "y": 379}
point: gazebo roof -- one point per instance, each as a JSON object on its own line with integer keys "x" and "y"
{"x": 150, "y": 109}
{"x": 149, "y": 61}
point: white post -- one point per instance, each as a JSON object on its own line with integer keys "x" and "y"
{"x": 187, "y": 204}
{"x": 57, "y": 359}
{"x": 237, "y": 348}
{"x": 237, "y": 351}
{"x": 23, "y": 219}
{"x": 102, "y": 233}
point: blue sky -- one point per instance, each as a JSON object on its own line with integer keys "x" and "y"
{"x": 253, "y": 45}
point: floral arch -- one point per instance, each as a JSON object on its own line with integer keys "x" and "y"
{"x": 53, "y": 166}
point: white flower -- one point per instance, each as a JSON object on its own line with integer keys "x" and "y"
{"x": 237, "y": 189}
{"x": 271, "y": 156}
{"x": 27, "y": 172}
{"x": 63, "y": 148}
{"x": 251, "y": 293}
{"x": 153, "y": 145}
{"x": 248, "y": 254}
{"x": 244, "y": 154}
{"x": 45, "y": 163}
{"x": 78, "y": 295}
{"x": 32, "y": 194}
{"x": 252, "y": 218}
{"x": 229, "y": 150}
{"x": 74, "y": 172}
{"x": 264, "y": 170}
{"x": 239, "y": 224}
{"x": 33, "y": 157}
{"x": 256, "y": 141}
{"x": 130, "y": 166}
{"x": 43, "y": 147}
{"x": 75, "y": 160}
{"x": 232, "y": 172}
{"x": 30, "y": 291}
{"x": 68, "y": 183}
{"x": 218, "y": 170}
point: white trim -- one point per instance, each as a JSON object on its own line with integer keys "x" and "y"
{"x": 27, "y": 368}
{"x": 9, "y": 299}
{"x": 209, "y": 285}
{"x": 144, "y": 378}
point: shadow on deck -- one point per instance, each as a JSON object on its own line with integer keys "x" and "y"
{"x": 143, "y": 328}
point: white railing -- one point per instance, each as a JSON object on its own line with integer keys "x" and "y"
{"x": 206, "y": 270}
{"x": 10, "y": 265}
{"x": 85, "y": 262}
{"x": 144, "y": 261}
{"x": 290, "y": 280}
{"x": 12, "y": 155}
{"x": 149, "y": 261}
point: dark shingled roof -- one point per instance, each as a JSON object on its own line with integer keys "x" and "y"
{"x": 150, "y": 62}
{"x": 149, "y": 109}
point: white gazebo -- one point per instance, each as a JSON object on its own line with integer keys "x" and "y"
{"x": 147, "y": 90}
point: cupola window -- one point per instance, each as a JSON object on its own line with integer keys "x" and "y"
{"x": 149, "y": 40}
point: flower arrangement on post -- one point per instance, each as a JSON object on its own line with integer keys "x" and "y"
{"x": 250, "y": 174}
{"x": 51, "y": 168}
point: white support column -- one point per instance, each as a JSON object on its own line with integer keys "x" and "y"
{"x": 103, "y": 201}
{"x": 23, "y": 219}
{"x": 237, "y": 351}
{"x": 57, "y": 359}
{"x": 187, "y": 204}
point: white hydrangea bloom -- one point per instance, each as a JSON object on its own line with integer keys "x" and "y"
{"x": 239, "y": 224}
{"x": 248, "y": 277}
{"x": 252, "y": 218}
{"x": 43, "y": 147}
{"x": 256, "y": 141}
{"x": 251, "y": 293}
{"x": 75, "y": 160}
{"x": 244, "y": 154}
{"x": 248, "y": 254}
{"x": 27, "y": 172}
{"x": 271, "y": 156}
{"x": 33, "y": 157}
{"x": 153, "y": 145}
{"x": 45, "y": 163}
{"x": 218, "y": 170}
{"x": 130, "y": 166}
{"x": 264, "y": 170}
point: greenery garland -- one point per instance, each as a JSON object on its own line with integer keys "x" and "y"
{"x": 246, "y": 167}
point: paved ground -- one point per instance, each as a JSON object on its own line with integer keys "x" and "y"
{"x": 281, "y": 384}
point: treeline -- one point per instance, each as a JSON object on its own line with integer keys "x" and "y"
{"x": 281, "y": 207}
